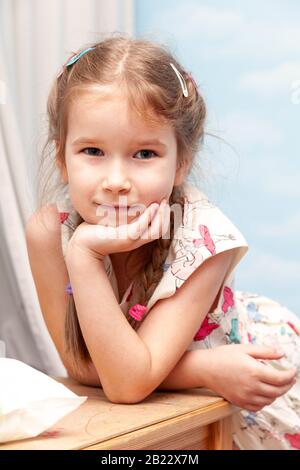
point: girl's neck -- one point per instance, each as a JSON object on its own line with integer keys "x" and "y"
{"x": 137, "y": 261}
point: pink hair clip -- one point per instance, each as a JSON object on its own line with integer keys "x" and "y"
{"x": 62, "y": 69}
{"x": 63, "y": 216}
{"x": 192, "y": 80}
{"x": 138, "y": 311}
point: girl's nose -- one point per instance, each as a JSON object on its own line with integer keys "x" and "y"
{"x": 116, "y": 185}
{"x": 116, "y": 179}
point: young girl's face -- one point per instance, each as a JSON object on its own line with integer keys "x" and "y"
{"x": 110, "y": 152}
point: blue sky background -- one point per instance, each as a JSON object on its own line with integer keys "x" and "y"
{"x": 245, "y": 58}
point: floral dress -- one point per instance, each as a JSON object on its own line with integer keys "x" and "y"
{"x": 240, "y": 317}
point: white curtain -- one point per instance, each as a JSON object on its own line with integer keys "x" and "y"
{"x": 36, "y": 38}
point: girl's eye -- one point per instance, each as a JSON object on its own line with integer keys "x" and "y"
{"x": 91, "y": 148}
{"x": 143, "y": 152}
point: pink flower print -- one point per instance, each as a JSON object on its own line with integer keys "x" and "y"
{"x": 138, "y": 311}
{"x": 228, "y": 299}
{"x": 206, "y": 240}
{"x": 63, "y": 216}
{"x": 205, "y": 329}
{"x": 293, "y": 328}
{"x": 294, "y": 440}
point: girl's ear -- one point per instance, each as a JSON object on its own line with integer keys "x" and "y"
{"x": 181, "y": 173}
{"x": 60, "y": 164}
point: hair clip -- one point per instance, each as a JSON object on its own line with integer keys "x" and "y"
{"x": 69, "y": 289}
{"x": 192, "y": 80}
{"x": 77, "y": 56}
{"x": 138, "y": 311}
{"x": 73, "y": 58}
{"x": 181, "y": 80}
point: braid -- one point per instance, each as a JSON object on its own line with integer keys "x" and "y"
{"x": 73, "y": 335}
{"x": 148, "y": 278}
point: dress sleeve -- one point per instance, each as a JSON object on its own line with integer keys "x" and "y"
{"x": 205, "y": 231}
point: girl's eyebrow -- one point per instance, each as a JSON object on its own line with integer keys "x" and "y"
{"x": 86, "y": 140}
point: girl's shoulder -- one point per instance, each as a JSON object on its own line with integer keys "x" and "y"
{"x": 43, "y": 239}
{"x": 44, "y": 226}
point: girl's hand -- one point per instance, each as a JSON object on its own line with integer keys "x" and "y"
{"x": 100, "y": 240}
{"x": 238, "y": 374}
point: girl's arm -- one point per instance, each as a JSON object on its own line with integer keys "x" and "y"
{"x": 234, "y": 372}
{"x": 191, "y": 371}
{"x": 50, "y": 275}
{"x": 132, "y": 364}
{"x": 120, "y": 356}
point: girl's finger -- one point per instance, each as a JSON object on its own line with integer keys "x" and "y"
{"x": 137, "y": 227}
{"x": 260, "y": 351}
{"x": 268, "y": 374}
{"x": 158, "y": 224}
{"x": 258, "y": 403}
{"x": 270, "y": 391}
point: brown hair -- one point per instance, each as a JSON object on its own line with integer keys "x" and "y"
{"x": 142, "y": 68}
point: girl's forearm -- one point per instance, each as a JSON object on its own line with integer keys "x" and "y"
{"x": 191, "y": 371}
{"x": 119, "y": 355}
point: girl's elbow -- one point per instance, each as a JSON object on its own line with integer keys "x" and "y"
{"x": 129, "y": 398}
{"x": 122, "y": 400}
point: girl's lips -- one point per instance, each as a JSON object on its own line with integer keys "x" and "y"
{"x": 134, "y": 209}
{"x": 108, "y": 206}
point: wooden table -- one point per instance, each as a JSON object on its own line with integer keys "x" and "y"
{"x": 190, "y": 419}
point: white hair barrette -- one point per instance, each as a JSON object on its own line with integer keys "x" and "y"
{"x": 181, "y": 80}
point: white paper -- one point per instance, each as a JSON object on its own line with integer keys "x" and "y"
{"x": 30, "y": 401}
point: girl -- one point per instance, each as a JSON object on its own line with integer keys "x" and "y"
{"x": 135, "y": 277}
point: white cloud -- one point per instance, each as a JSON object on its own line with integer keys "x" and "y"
{"x": 262, "y": 39}
{"x": 243, "y": 129}
{"x": 272, "y": 81}
{"x": 191, "y": 19}
{"x": 224, "y": 33}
